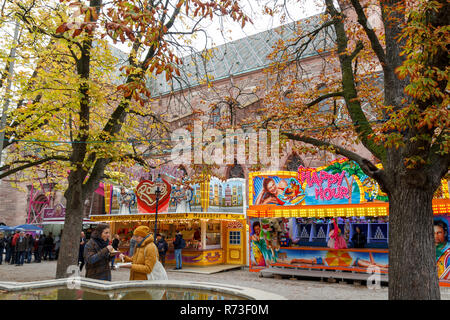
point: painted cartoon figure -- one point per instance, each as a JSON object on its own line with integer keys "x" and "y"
{"x": 442, "y": 249}
{"x": 126, "y": 201}
{"x": 370, "y": 189}
{"x": 293, "y": 193}
{"x": 258, "y": 245}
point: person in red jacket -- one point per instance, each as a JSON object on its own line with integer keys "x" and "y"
{"x": 13, "y": 247}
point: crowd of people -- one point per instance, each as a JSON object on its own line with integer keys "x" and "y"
{"x": 20, "y": 247}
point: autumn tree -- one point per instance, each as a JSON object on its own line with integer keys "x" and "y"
{"x": 383, "y": 85}
{"x": 82, "y": 110}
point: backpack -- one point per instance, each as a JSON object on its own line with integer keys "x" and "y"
{"x": 182, "y": 243}
{"x": 161, "y": 246}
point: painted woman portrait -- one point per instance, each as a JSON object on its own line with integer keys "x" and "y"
{"x": 270, "y": 191}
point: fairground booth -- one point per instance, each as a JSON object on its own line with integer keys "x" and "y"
{"x": 292, "y": 217}
{"x": 210, "y": 216}
{"x": 47, "y": 211}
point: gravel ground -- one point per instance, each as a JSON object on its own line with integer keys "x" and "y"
{"x": 291, "y": 289}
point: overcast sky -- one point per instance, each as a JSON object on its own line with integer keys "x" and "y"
{"x": 226, "y": 30}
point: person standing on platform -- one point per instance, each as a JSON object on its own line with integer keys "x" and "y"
{"x": 162, "y": 245}
{"x": 179, "y": 243}
{"x": 97, "y": 254}
{"x": 359, "y": 239}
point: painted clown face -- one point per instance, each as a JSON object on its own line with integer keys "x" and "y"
{"x": 439, "y": 235}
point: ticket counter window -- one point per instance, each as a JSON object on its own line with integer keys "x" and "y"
{"x": 213, "y": 236}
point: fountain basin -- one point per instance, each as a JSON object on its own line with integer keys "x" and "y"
{"x": 91, "y": 289}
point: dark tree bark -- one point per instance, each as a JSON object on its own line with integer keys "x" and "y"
{"x": 75, "y": 193}
{"x": 412, "y": 260}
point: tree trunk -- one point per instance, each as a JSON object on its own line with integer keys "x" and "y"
{"x": 412, "y": 257}
{"x": 73, "y": 223}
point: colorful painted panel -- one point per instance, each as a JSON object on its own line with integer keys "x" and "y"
{"x": 215, "y": 196}
{"x": 341, "y": 182}
{"x": 442, "y": 242}
{"x": 198, "y": 258}
{"x": 326, "y": 258}
{"x": 123, "y": 201}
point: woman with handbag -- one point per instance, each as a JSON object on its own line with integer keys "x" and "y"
{"x": 145, "y": 256}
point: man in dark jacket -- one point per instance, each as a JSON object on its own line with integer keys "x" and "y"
{"x": 8, "y": 249}
{"x": 359, "y": 238}
{"x": 81, "y": 251}
{"x": 48, "y": 247}
{"x": 41, "y": 245}
{"x": 21, "y": 248}
{"x": 36, "y": 248}
{"x": 115, "y": 244}
{"x": 178, "y": 245}
{"x": 2, "y": 246}
{"x": 30, "y": 247}
{"x": 162, "y": 246}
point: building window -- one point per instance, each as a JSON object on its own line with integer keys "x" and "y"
{"x": 293, "y": 162}
{"x": 215, "y": 116}
{"x": 236, "y": 171}
{"x": 235, "y": 237}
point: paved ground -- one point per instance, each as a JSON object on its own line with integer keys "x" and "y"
{"x": 291, "y": 289}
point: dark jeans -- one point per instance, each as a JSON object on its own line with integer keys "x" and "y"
{"x": 162, "y": 258}
{"x": 8, "y": 255}
{"x": 36, "y": 256}
{"x": 40, "y": 252}
{"x": 29, "y": 255}
{"x": 1, "y": 255}
{"x": 20, "y": 256}
{"x": 81, "y": 263}
{"x": 178, "y": 258}
{"x": 48, "y": 253}
{"x": 13, "y": 257}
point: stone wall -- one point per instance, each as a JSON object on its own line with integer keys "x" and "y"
{"x": 13, "y": 205}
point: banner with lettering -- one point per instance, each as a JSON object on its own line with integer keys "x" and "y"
{"x": 341, "y": 182}
{"x": 217, "y": 196}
